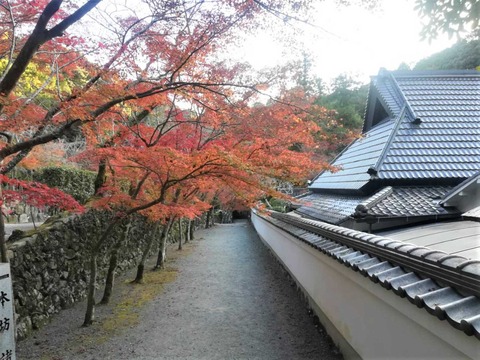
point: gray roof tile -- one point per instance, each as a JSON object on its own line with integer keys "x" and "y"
{"x": 446, "y": 144}
{"x": 333, "y": 209}
{"x": 355, "y": 160}
{"x": 459, "y": 306}
{"x": 445, "y": 120}
{"x": 389, "y": 202}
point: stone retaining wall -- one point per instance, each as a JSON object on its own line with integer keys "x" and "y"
{"x": 50, "y": 267}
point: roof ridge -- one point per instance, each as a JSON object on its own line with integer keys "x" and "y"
{"x": 367, "y": 204}
{"x": 402, "y": 96}
{"x": 435, "y": 73}
{"x": 374, "y": 170}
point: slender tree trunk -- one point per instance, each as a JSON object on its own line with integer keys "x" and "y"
{"x": 187, "y": 231}
{"x": 143, "y": 260}
{"x": 33, "y": 218}
{"x": 90, "y": 313}
{"x": 180, "y": 233}
{"x": 109, "y": 282}
{"x": 101, "y": 175}
{"x": 162, "y": 251}
{"x": 209, "y": 218}
{"x": 3, "y": 245}
{"x": 110, "y": 277}
{"x": 192, "y": 229}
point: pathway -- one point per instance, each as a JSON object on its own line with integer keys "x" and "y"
{"x": 231, "y": 300}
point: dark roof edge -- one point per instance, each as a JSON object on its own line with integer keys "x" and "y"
{"x": 378, "y": 218}
{"x": 421, "y": 289}
{"x": 443, "y": 267}
{"x": 432, "y": 73}
{"x": 391, "y": 137}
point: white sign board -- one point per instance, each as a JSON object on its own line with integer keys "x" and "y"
{"x": 7, "y": 320}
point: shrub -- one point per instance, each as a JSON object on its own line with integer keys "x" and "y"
{"x": 76, "y": 182}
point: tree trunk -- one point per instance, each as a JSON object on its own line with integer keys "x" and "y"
{"x": 3, "y": 245}
{"x": 143, "y": 260}
{"x": 180, "y": 233}
{"x": 101, "y": 175}
{"x": 187, "y": 231}
{"x": 90, "y": 313}
{"x": 209, "y": 218}
{"x": 110, "y": 277}
{"x": 192, "y": 229}
{"x": 109, "y": 282}
{"x": 162, "y": 251}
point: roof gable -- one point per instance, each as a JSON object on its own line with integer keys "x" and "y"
{"x": 445, "y": 142}
{"x": 431, "y": 133}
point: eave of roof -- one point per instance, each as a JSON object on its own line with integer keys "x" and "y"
{"x": 389, "y": 203}
{"x": 443, "y": 145}
{"x": 447, "y": 286}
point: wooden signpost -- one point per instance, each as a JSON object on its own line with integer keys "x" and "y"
{"x": 7, "y": 320}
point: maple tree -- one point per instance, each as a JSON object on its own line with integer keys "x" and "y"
{"x": 53, "y": 81}
{"x": 34, "y": 194}
{"x": 175, "y": 172}
{"x": 168, "y": 127}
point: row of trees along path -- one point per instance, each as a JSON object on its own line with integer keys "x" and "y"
{"x": 168, "y": 126}
{"x": 230, "y": 300}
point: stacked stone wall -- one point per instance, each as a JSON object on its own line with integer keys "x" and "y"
{"x": 50, "y": 266}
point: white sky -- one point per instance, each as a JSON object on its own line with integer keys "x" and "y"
{"x": 356, "y": 41}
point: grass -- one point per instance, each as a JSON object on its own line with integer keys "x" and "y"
{"x": 126, "y": 306}
{"x": 126, "y": 313}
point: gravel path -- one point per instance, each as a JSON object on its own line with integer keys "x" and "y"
{"x": 231, "y": 300}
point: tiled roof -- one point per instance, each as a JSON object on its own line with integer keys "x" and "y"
{"x": 416, "y": 273}
{"x": 446, "y": 143}
{"x": 412, "y": 201}
{"x": 432, "y": 132}
{"x": 388, "y": 202}
{"x": 355, "y": 160}
{"x": 460, "y": 237}
{"x": 333, "y": 209}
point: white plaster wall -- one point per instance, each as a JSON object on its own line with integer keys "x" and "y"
{"x": 364, "y": 319}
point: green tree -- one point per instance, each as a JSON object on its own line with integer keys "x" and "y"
{"x": 348, "y": 98}
{"x": 463, "y": 55}
{"x": 454, "y": 17}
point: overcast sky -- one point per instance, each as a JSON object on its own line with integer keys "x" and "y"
{"x": 351, "y": 40}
